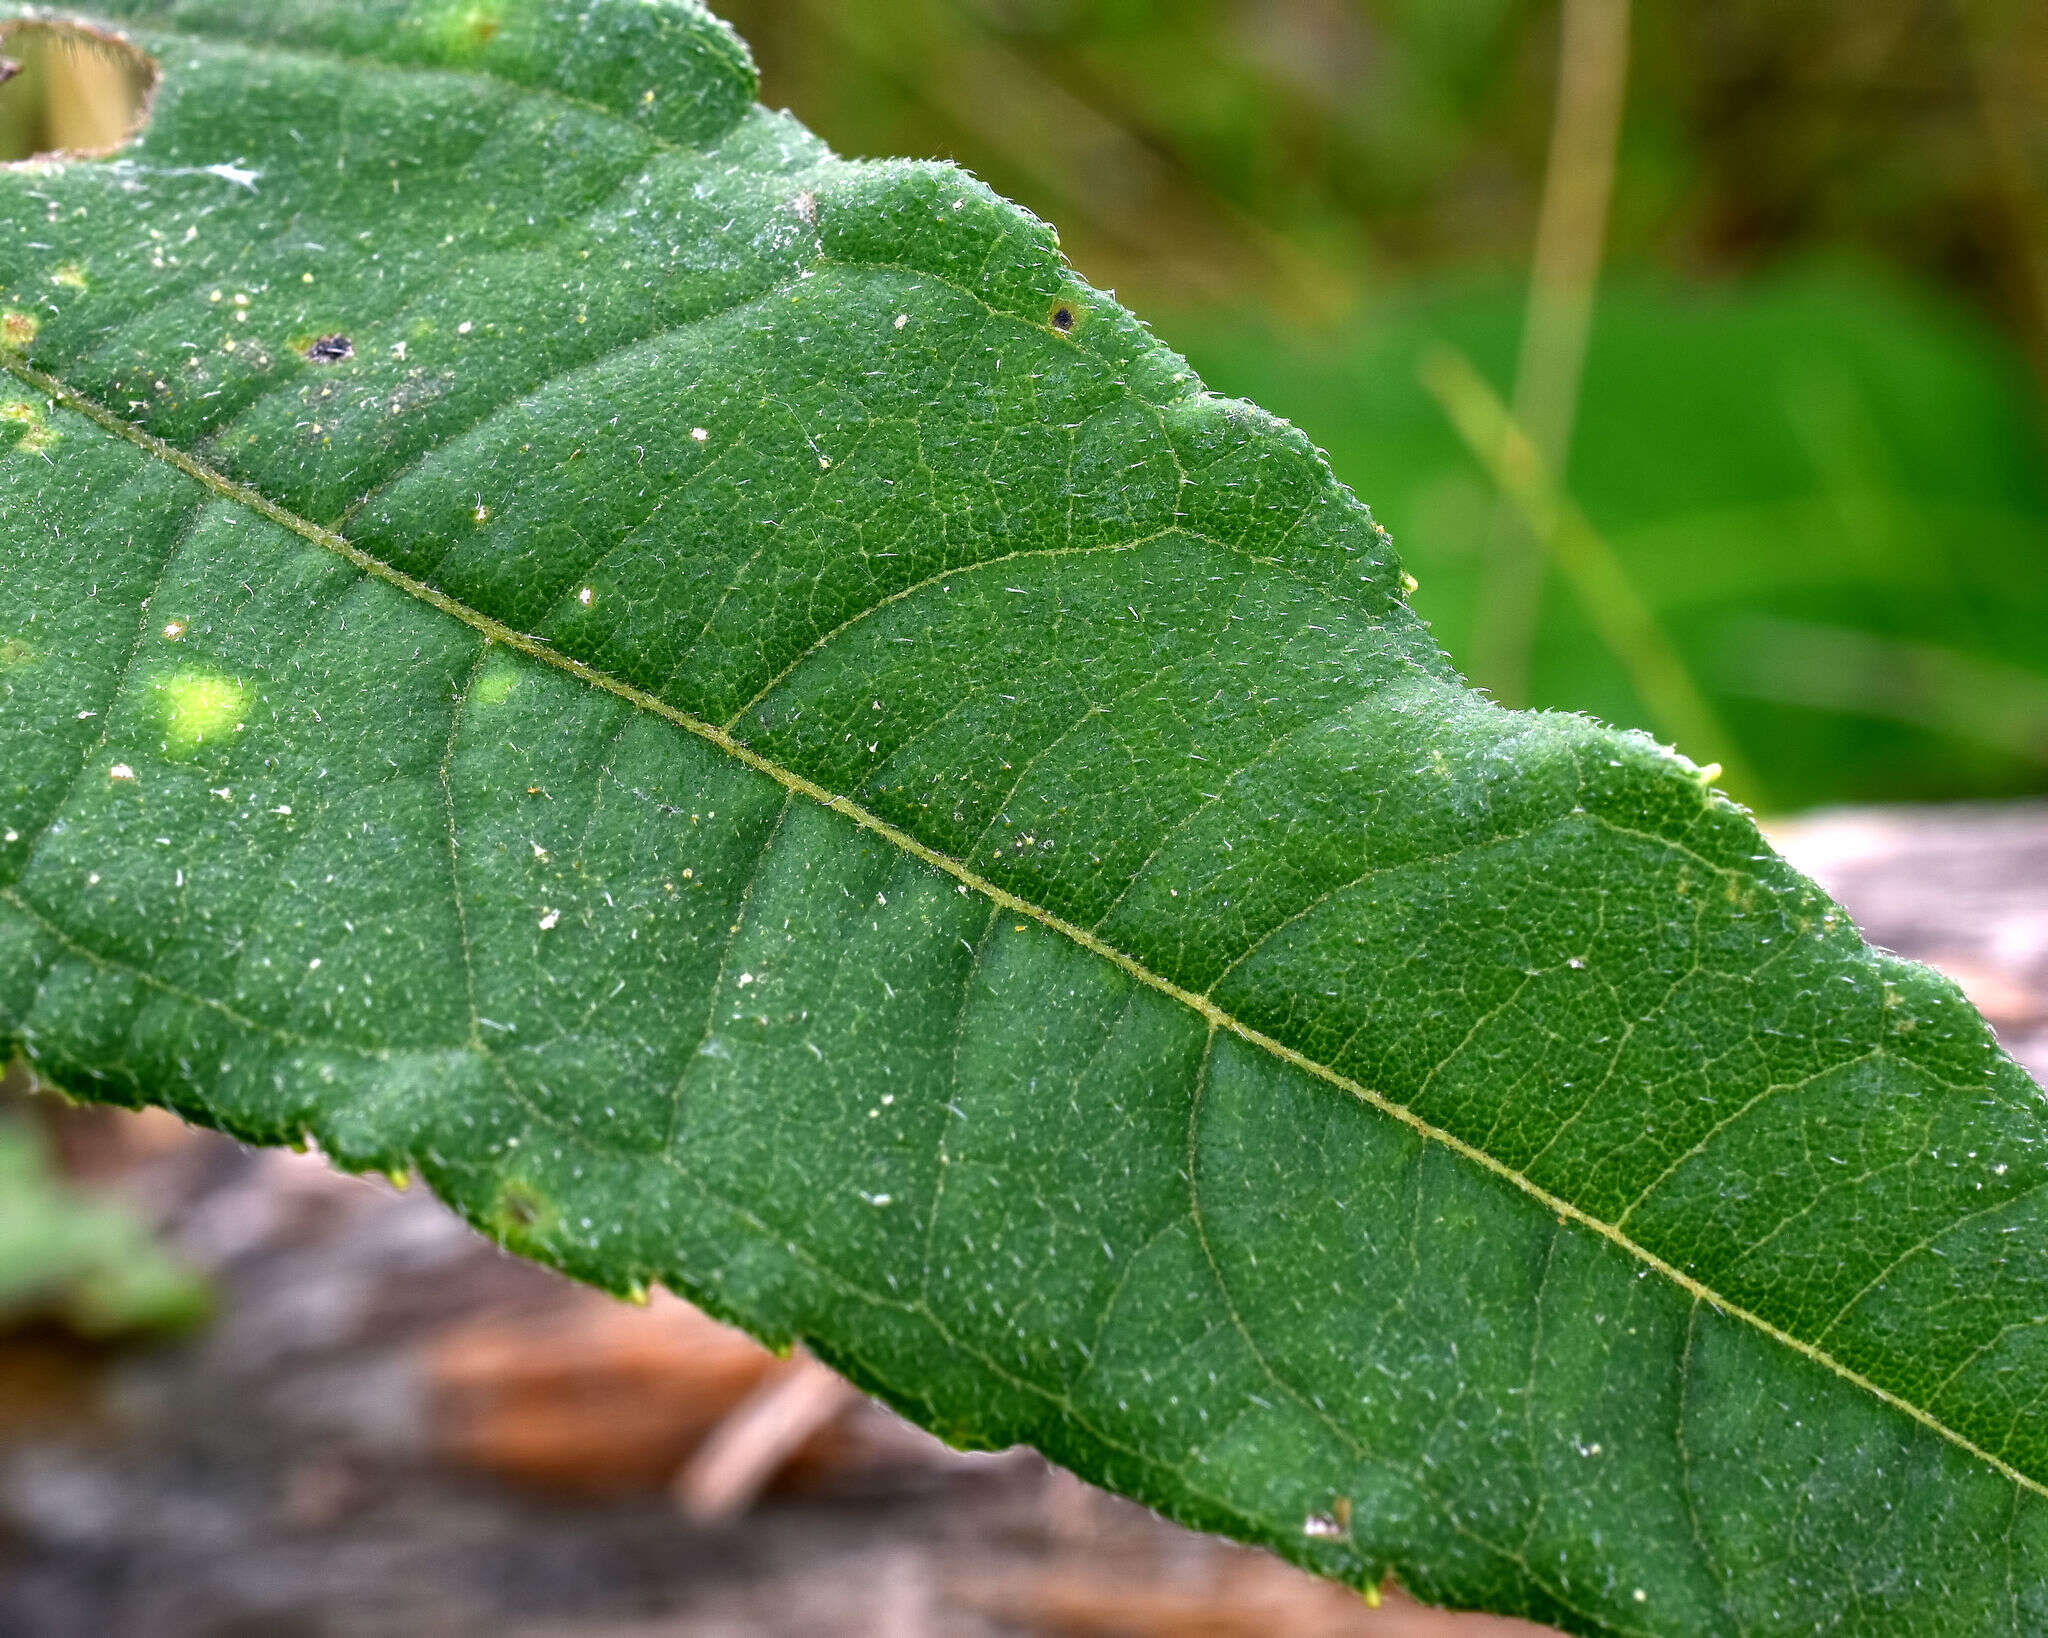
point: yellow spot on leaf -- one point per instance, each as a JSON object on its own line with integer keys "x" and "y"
{"x": 18, "y": 329}
{"x": 39, "y": 436}
{"x": 199, "y": 706}
{"x": 495, "y": 684}
{"x": 464, "y": 29}
{"x": 522, "y": 1216}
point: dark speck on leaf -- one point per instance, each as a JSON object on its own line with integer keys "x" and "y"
{"x": 331, "y": 350}
{"x": 1063, "y": 318}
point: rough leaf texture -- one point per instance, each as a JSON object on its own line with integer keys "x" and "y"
{"x": 766, "y": 737}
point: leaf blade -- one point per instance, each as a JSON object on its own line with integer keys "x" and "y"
{"x": 1209, "y": 809}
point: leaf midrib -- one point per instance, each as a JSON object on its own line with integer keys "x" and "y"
{"x": 496, "y": 631}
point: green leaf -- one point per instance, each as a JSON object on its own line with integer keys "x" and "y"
{"x": 764, "y": 736}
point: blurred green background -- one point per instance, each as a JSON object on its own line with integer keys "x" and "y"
{"x": 1805, "y": 425}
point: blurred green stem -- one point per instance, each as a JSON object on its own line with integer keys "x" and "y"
{"x": 1831, "y": 668}
{"x": 1571, "y": 227}
{"x": 1559, "y": 531}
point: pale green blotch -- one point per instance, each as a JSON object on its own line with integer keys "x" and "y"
{"x": 199, "y": 706}
{"x": 460, "y": 31}
{"x": 499, "y": 678}
{"x": 37, "y": 435}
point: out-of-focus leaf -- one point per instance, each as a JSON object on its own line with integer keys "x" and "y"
{"x": 85, "y": 1263}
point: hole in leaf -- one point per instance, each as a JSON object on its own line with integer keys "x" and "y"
{"x": 70, "y": 91}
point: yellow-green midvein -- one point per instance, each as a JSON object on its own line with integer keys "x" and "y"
{"x": 496, "y": 631}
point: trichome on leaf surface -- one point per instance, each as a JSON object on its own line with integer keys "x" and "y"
{"x": 764, "y": 736}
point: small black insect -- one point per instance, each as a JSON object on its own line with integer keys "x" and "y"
{"x": 1063, "y": 319}
{"x": 331, "y": 350}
